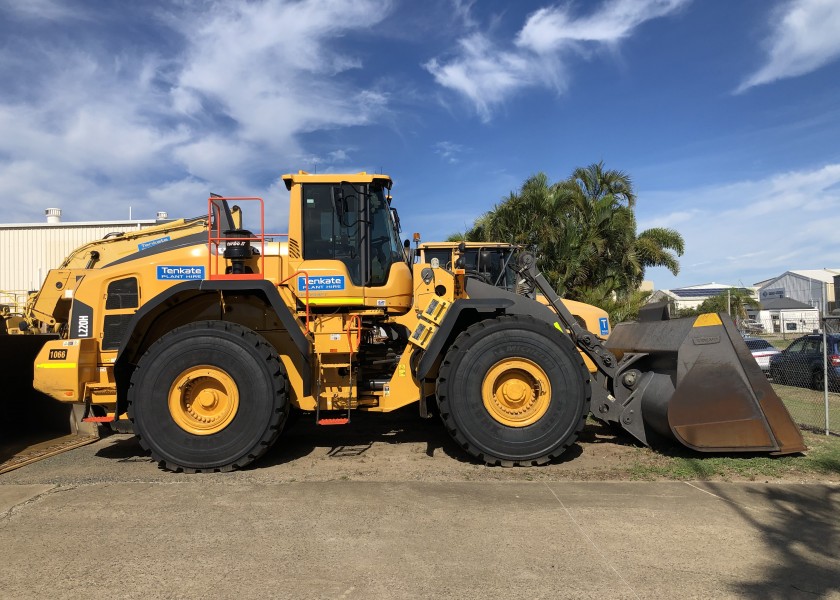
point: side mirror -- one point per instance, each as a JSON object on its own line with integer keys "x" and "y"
{"x": 409, "y": 253}
{"x": 484, "y": 260}
{"x": 339, "y": 202}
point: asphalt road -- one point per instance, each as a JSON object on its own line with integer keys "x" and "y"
{"x": 369, "y": 518}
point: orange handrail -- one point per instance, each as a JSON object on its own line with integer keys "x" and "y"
{"x": 357, "y": 320}
{"x": 306, "y": 296}
{"x": 214, "y": 241}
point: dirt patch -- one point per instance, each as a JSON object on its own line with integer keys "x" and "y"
{"x": 402, "y": 446}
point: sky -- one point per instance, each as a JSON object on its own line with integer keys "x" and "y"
{"x": 725, "y": 113}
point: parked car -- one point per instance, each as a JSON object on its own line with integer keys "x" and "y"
{"x": 761, "y": 350}
{"x": 751, "y": 326}
{"x": 801, "y": 363}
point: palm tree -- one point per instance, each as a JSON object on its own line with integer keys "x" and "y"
{"x": 583, "y": 230}
{"x": 657, "y": 247}
{"x": 735, "y": 301}
{"x": 603, "y": 202}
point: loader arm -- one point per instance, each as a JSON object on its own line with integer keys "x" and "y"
{"x": 588, "y": 342}
{"x": 690, "y": 380}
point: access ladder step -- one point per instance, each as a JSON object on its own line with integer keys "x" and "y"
{"x": 110, "y": 419}
{"x": 337, "y": 421}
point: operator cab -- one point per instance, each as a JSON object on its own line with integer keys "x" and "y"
{"x": 348, "y": 239}
{"x": 490, "y": 263}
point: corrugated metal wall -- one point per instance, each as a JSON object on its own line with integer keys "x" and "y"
{"x": 809, "y": 291}
{"x": 28, "y": 252}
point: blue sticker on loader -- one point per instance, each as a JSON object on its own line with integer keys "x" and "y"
{"x": 153, "y": 243}
{"x": 321, "y": 283}
{"x": 604, "y": 324}
{"x": 172, "y": 272}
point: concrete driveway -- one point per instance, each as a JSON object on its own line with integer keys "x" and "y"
{"x": 83, "y": 526}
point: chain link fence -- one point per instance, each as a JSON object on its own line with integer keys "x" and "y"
{"x": 806, "y": 376}
{"x": 791, "y": 328}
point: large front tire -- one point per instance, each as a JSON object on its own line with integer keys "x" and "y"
{"x": 208, "y": 396}
{"x": 513, "y": 391}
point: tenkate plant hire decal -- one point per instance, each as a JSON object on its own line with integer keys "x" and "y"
{"x": 321, "y": 283}
{"x": 175, "y": 272}
{"x": 153, "y": 243}
{"x": 604, "y": 324}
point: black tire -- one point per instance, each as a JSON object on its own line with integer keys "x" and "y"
{"x": 817, "y": 380}
{"x": 471, "y": 359}
{"x": 252, "y": 367}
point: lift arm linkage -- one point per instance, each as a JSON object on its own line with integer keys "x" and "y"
{"x": 588, "y": 342}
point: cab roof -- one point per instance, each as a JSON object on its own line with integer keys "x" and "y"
{"x": 336, "y": 178}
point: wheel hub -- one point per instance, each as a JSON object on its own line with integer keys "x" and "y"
{"x": 516, "y": 392}
{"x": 203, "y": 400}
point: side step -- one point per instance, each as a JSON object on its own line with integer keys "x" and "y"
{"x": 109, "y": 419}
{"x": 336, "y": 421}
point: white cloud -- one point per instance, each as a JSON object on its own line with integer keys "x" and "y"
{"x": 463, "y": 9}
{"x": 803, "y": 39}
{"x": 449, "y": 151}
{"x": 486, "y": 73}
{"x": 94, "y": 125}
{"x": 51, "y": 10}
{"x": 270, "y": 67}
{"x": 750, "y": 230}
{"x": 550, "y": 29}
{"x": 338, "y": 156}
{"x": 483, "y": 74}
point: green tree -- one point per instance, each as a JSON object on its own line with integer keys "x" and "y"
{"x": 659, "y": 247}
{"x": 583, "y": 229}
{"x": 735, "y": 301}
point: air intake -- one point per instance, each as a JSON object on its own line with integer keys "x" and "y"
{"x": 53, "y": 215}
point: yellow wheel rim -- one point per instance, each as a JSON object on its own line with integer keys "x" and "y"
{"x": 203, "y": 400}
{"x": 516, "y": 392}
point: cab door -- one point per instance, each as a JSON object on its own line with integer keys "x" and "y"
{"x": 334, "y": 247}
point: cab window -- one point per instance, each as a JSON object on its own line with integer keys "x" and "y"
{"x": 324, "y": 238}
{"x": 385, "y": 247}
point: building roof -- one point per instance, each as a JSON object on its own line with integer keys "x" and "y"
{"x": 707, "y": 286}
{"x": 702, "y": 292}
{"x": 785, "y": 304}
{"x": 60, "y": 224}
{"x": 824, "y": 275}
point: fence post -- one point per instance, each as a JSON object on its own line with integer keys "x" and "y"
{"x": 825, "y": 371}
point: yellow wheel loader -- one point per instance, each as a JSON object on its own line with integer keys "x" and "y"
{"x": 37, "y": 426}
{"x": 207, "y": 344}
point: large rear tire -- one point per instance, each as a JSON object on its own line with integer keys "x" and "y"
{"x": 208, "y": 396}
{"x": 513, "y": 391}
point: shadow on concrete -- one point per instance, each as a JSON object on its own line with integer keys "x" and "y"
{"x": 802, "y": 532}
{"x": 303, "y": 436}
{"x": 124, "y": 450}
